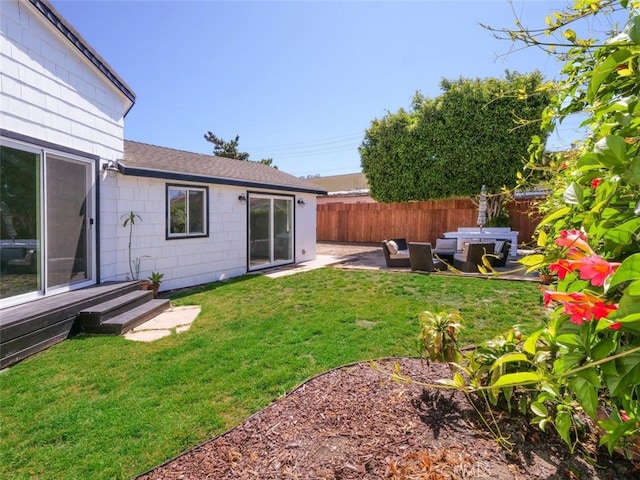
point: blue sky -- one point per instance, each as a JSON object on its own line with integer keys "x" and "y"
{"x": 299, "y": 81}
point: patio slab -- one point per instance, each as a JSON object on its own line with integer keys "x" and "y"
{"x": 176, "y": 319}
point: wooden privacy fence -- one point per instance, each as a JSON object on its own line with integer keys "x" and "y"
{"x": 415, "y": 221}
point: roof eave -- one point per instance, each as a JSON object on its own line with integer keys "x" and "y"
{"x": 189, "y": 177}
{"x": 67, "y": 31}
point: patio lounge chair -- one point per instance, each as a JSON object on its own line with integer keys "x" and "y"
{"x": 396, "y": 252}
{"x": 445, "y": 248}
{"x": 471, "y": 256}
{"x": 28, "y": 263}
{"x": 501, "y": 252}
{"x": 421, "y": 258}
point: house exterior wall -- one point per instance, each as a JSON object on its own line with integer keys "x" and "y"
{"x": 305, "y": 217}
{"x": 187, "y": 262}
{"x": 49, "y": 90}
{"x": 51, "y": 93}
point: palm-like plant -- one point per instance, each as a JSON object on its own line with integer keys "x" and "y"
{"x": 129, "y": 220}
{"x": 438, "y": 334}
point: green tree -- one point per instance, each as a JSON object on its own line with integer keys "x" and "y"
{"x": 226, "y": 149}
{"x": 477, "y": 132}
{"x": 230, "y": 149}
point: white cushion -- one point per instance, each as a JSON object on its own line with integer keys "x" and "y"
{"x": 446, "y": 244}
{"x": 393, "y": 247}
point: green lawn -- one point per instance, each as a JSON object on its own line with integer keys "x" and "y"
{"x": 103, "y": 407}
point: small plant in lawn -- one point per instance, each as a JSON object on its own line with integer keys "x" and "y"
{"x": 439, "y": 334}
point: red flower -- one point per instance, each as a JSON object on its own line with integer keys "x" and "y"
{"x": 595, "y": 182}
{"x": 595, "y": 268}
{"x": 576, "y": 242}
{"x": 602, "y": 310}
{"x": 579, "y": 312}
{"x": 583, "y": 307}
{"x": 615, "y": 326}
{"x": 561, "y": 267}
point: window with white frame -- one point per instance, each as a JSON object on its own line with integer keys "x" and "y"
{"x": 187, "y": 211}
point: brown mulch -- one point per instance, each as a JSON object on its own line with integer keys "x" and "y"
{"x": 356, "y": 423}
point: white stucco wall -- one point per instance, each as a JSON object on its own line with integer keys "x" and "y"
{"x": 49, "y": 90}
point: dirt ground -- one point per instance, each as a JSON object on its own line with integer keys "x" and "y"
{"x": 357, "y": 423}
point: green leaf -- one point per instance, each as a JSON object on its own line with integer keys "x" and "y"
{"x": 585, "y": 394}
{"x": 513, "y": 379}
{"x": 603, "y": 348}
{"x": 627, "y": 373}
{"x": 567, "y": 361}
{"x": 633, "y": 289}
{"x": 625, "y": 233}
{"x": 591, "y": 375}
{"x": 603, "y": 70}
{"x": 569, "y": 339}
{"x": 613, "y": 437}
{"x": 561, "y": 212}
{"x": 629, "y": 270}
{"x": 611, "y": 151}
{"x": 539, "y": 409}
{"x": 633, "y": 174}
{"x": 563, "y": 425}
{"x": 509, "y": 357}
{"x": 588, "y": 161}
{"x": 633, "y": 27}
{"x": 531, "y": 342}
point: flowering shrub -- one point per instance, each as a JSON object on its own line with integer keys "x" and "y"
{"x": 585, "y": 359}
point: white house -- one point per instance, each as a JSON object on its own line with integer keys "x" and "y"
{"x": 67, "y": 178}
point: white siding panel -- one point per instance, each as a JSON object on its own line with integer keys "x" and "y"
{"x": 52, "y": 80}
{"x": 184, "y": 262}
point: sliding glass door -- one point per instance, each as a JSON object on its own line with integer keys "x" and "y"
{"x": 270, "y": 230}
{"x": 46, "y": 227}
{"x": 20, "y": 232}
{"x": 68, "y": 223}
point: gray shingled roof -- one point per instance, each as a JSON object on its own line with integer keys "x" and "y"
{"x": 146, "y": 160}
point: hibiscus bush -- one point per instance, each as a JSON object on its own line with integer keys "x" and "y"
{"x": 585, "y": 358}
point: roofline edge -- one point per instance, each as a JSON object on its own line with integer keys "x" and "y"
{"x": 49, "y": 12}
{"x": 141, "y": 172}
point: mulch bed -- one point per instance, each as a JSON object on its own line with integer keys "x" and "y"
{"x": 356, "y": 423}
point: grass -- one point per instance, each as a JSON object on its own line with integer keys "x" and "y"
{"x": 102, "y": 407}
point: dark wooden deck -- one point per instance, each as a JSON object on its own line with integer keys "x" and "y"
{"x": 34, "y": 326}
